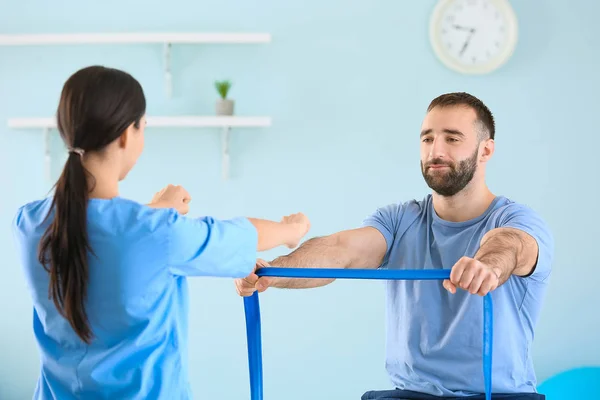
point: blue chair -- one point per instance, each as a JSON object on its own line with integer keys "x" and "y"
{"x": 252, "y": 309}
{"x": 574, "y": 384}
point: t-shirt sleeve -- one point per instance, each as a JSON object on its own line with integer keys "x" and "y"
{"x": 385, "y": 220}
{"x": 521, "y": 217}
{"x": 210, "y": 247}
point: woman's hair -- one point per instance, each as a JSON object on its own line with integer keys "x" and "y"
{"x": 96, "y": 107}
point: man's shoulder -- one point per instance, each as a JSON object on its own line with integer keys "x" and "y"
{"x": 506, "y": 208}
{"x": 413, "y": 206}
{"x": 393, "y": 216}
{"x": 503, "y": 207}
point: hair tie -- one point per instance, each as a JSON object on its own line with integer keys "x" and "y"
{"x": 77, "y": 150}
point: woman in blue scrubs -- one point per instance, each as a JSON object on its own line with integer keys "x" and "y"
{"x": 108, "y": 275}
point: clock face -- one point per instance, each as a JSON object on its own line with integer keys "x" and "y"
{"x": 473, "y": 36}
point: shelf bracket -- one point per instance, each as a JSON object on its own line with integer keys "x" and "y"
{"x": 47, "y": 157}
{"x": 225, "y": 152}
{"x": 167, "y": 66}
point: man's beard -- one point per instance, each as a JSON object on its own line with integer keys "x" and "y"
{"x": 450, "y": 181}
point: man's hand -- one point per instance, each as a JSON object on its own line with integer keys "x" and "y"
{"x": 250, "y": 284}
{"x": 473, "y": 276}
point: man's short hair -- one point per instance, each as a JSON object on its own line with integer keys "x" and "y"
{"x": 484, "y": 116}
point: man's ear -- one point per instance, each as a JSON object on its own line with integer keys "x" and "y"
{"x": 488, "y": 150}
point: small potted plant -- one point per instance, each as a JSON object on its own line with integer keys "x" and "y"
{"x": 224, "y": 105}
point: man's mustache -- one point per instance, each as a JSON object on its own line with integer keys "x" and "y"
{"x": 438, "y": 162}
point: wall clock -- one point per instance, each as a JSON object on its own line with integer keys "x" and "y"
{"x": 473, "y": 36}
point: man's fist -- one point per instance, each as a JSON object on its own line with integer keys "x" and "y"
{"x": 473, "y": 276}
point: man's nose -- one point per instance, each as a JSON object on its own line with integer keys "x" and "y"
{"x": 437, "y": 150}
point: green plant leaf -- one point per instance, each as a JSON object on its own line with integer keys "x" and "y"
{"x": 223, "y": 88}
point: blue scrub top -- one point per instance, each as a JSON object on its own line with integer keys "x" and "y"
{"x": 137, "y": 301}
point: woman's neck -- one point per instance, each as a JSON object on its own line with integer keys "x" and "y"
{"x": 103, "y": 179}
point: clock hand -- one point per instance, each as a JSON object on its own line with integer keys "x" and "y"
{"x": 466, "y": 43}
{"x": 464, "y": 48}
{"x": 463, "y": 28}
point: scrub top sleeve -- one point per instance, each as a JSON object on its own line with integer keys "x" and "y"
{"x": 210, "y": 247}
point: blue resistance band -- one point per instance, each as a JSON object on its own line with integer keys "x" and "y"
{"x": 252, "y": 310}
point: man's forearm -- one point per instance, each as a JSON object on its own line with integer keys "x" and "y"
{"x": 319, "y": 252}
{"x": 508, "y": 251}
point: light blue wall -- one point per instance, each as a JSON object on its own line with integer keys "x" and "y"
{"x": 346, "y": 83}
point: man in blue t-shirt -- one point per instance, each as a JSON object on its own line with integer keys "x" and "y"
{"x": 490, "y": 243}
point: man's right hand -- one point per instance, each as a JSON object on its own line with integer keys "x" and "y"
{"x": 252, "y": 283}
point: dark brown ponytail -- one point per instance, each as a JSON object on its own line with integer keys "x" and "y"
{"x": 64, "y": 247}
{"x": 97, "y": 105}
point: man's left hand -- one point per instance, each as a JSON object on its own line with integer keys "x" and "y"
{"x": 473, "y": 276}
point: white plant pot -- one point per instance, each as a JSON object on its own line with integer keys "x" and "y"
{"x": 224, "y": 107}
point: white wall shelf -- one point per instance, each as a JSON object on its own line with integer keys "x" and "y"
{"x": 226, "y": 123}
{"x": 165, "y": 39}
{"x": 132, "y": 38}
